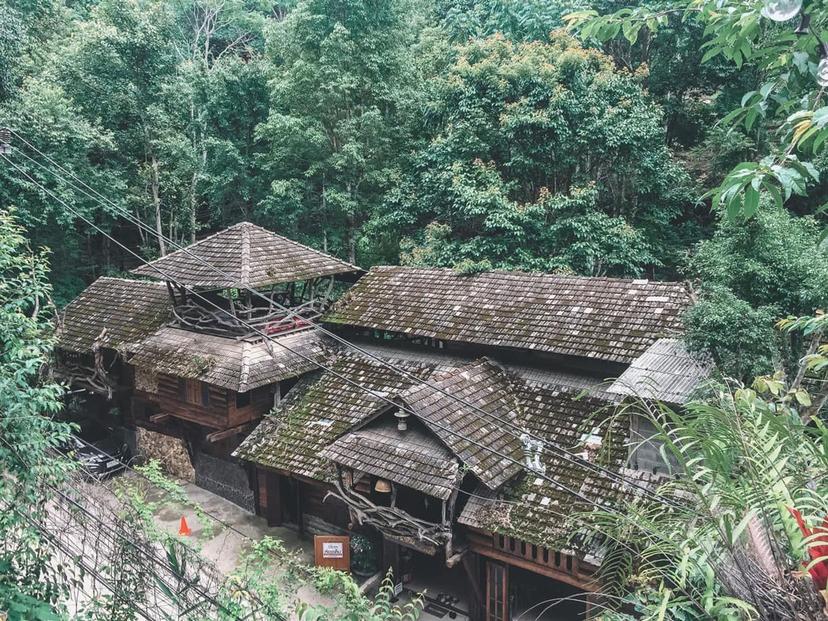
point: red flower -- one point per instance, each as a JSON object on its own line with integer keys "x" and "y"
{"x": 817, "y": 548}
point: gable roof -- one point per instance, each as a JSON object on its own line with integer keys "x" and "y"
{"x": 480, "y": 442}
{"x": 236, "y": 364}
{"x": 607, "y": 319}
{"x": 128, "y": 309}
{"x": 320, "y": 409}
{"x": 666, "y": 371}
{"x": 412, "y": 458}
{"x": 246, "y": 255}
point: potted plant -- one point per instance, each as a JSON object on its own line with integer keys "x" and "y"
{"x": 364, "y": 561}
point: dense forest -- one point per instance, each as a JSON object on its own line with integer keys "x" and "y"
{"x": 472, "y": 135}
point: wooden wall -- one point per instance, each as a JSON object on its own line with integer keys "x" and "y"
{"x": 221, "y": 410}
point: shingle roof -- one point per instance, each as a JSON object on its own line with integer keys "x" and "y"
{"x": 666, "y": 371}
{"x": 320, "y": 410}
{"x": 128, "y": 309}
{"x": 603, "y": 318}
{"x": 324, "y": 411}
{"x": 412, "y": 458}
{"x": 532, "y": 508}
{"x": 236, "y": 364}
{"x": 479, "y": 441}
{"x": 247, "y": 256}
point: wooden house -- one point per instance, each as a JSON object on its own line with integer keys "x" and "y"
{"x": 436, "y": 455}
{"x": 207, "y": 351}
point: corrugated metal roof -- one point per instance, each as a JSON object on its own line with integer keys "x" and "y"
{"x": 666, "y": 371}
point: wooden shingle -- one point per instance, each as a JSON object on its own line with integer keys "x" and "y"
{"x": 236, "y": 364}
{"x": 606, "y": 319}
{"x": 245, "y": 255}
{"x": 129, "y": 310}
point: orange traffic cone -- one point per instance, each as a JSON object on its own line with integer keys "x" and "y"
{"x": 184, "y": 529}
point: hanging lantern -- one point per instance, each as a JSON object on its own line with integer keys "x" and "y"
{"x": 781, "y": 10}
{"x": 822, "y": 73}
{"x": 382, "y": 486}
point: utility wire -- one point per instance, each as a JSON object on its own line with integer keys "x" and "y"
{"x": 113, "y": 534}
{"x": 347, "y": 380}
{"x": 350, "y": 382}
{"x": 561, "y": 451}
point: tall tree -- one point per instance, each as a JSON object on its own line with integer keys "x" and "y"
{"x": 338, "y": 90}
{"x": 540, "y": 155}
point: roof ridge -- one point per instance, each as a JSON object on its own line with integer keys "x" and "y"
{"x": 453, "y": 272}
{"x": 244, "y": 275}
{"x": 153, "y": 283}
{"x": 244, "y": 371}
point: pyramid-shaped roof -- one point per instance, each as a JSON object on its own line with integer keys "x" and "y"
{"x": 244, "y": 255}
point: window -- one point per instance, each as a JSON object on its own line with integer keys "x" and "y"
{"x": 193, "y": 391}
{"x": 242, "y": 399}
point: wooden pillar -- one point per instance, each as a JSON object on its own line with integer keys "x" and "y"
{"x": 471, "y": 566}
{"x": 299, "y": 508}
{"x": 391, "y": 558}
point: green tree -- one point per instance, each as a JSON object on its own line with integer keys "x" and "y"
{"x": 752, "y": 274}
{"x": 540, "y": 155}
{"x": 30, "y": 582}
{"x": 339, "y": 91}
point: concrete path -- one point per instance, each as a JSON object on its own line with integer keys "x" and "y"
{"x": 225, "y": 547}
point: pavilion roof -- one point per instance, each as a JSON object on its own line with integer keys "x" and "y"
{"x": 244, "y": 255}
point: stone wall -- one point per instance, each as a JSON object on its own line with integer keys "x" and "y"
{"x": 170, "y": 451}
{"x": 225, "y": 478}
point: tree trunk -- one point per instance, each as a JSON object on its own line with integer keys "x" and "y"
{"x": 156, "y": 201}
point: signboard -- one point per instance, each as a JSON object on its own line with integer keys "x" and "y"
{"x": 332, "y": 551}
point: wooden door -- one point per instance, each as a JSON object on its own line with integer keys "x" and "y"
{"x": 497, "y": 591}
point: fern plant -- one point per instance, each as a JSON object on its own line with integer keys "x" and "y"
{"x": 737, "y": 532}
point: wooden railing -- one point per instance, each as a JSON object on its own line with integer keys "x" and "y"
{"x": 554, "y": 559}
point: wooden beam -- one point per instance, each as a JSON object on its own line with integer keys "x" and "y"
{"x": 227, "y": 433}
{"x": 159, "y": 418}
{"x": 585, "y": 583}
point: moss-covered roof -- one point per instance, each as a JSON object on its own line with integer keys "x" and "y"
{"x": 601, "y": 318}
{"x": 484, "y": 445}
{"x": 236, "y": 364}
{"x": 414, "y": 457}
{"x": 321, "y": 410}
{"x": 245, "y": 255}
{"x": 129, "y": 310}
{"x": 326, "y": 410}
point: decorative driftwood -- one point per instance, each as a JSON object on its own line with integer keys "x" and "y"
{"x": 232, "y": 315}
{"x": 390, "y": 520}
{"x": 94, "y": 378}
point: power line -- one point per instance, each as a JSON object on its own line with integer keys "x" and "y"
{"x": 373, "y": 393}
{"x": 350, "y": 382}
{"x": 112, "y": 534}
{"x": 562, "y": 452}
